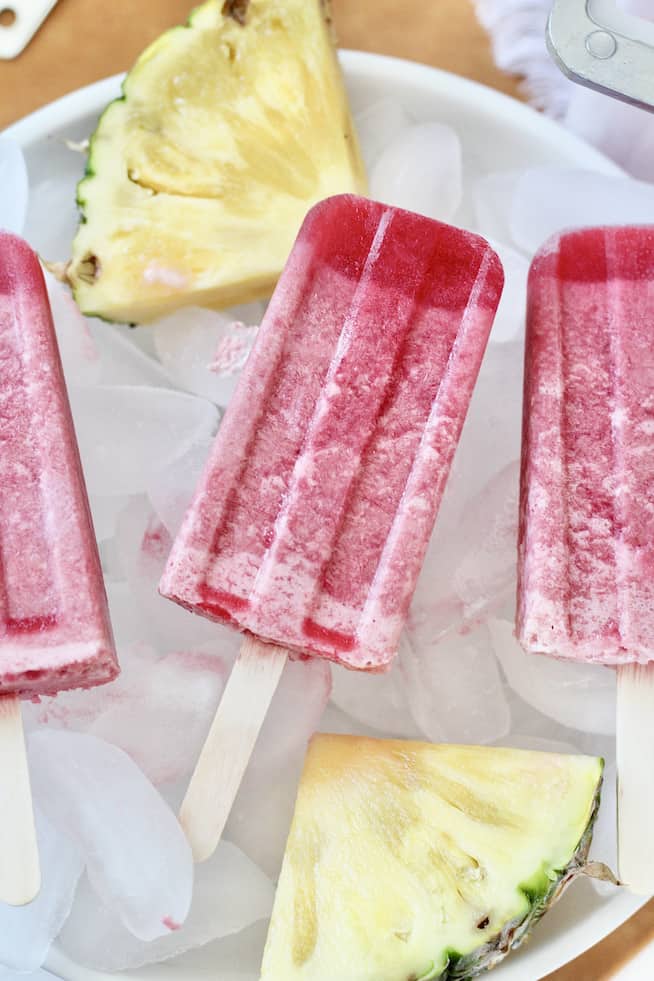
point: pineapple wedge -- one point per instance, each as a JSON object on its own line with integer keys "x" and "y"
{"x": 409, "y": 861}
{"x": 229, "y": 129}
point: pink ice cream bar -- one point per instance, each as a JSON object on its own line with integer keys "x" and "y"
{"x": 310, "y": 523}
{"x": 54, "y": 622}
{"x": 586, "y": 547}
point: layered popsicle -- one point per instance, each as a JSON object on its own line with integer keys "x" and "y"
{"x": 55, "y": 632}
{"x": 586, "y": 543}
{"x": 310, "y": 523}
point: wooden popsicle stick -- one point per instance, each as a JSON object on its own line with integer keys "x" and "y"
{"x": 635, "y": 765}
{"x": 20, "y": 876}
{"x": 228, "y": 747}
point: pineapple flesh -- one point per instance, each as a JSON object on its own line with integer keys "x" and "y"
{"x": 228, "y": 130}
{"x": 409, "y": 861}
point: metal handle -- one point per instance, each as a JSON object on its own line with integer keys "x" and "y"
{"x": 598, "y": 45}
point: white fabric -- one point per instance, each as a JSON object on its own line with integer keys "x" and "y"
{"x": 517, "y": 30}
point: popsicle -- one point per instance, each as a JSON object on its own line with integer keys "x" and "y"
{"x": 586, "y": 542}
{"x": 310, "y": 523}
{"x": 54, "y": 623}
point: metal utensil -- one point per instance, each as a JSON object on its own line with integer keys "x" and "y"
{"x": 595, "y": 43}
{"x": 19, "y": 22}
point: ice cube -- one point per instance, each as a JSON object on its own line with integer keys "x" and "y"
{"x": 186, "y": 343}
{"x": 54, "y": 197}
{"x": 271, "y": 780}
{"x": 137, "y": 858}
{"x": 492, "y": 434}
{"x": 294, "y": 712}
{"x": 106, "y": 511}
{"x": 7, "y": 975}
{"x": 581, "y": 696}
{"x": 79, "y": 355}
{"x": 376, "y": 700}
{"x": 171, "y": 487}
{"x": 454, "y": 687}
{"x": 13, "y": 186}
{"x": 126, "y": 432}
{"x": 130, "y": 623}
{"x": 143, "y": 712}
{"x": 596, "y": 744}
{"x": 470, "y": 565}
{"x": 532, "y": 729}
{"x": 234, "y": 958}
{"x": 141, "y": 336}
{"x": 250, "y": 314}
{"x": 143, "y": 544}
{"x": 378, "y": 125}
{"x": 488, "y": 534}
{"x": 123, "y": 361}
{"x": 230, "y": 894}
{"x": 421, "y": 170}
{"x": 509, "y": 323}
{"x": 335, "y": 720}
{"x": 538, "y": 744}
{"x": 549, "y": 199}
{"x": 26, "y": 932}
{"x": 492, "y": 197}
{"x": 154, "y": 701}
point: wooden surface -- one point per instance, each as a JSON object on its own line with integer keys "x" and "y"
{"x": 84, "y": 40}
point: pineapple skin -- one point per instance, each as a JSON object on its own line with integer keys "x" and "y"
{"x": 199, "y": 176}
{"x": 360, "y": 897}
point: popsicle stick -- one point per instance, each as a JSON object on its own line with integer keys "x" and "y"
{"x": 228, "y": 747}
{"x": 635, "y": 764}
{"x": 20, "y": 876}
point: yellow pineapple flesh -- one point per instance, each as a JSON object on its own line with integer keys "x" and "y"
{"x": 410, "y": 861}
{"x": 229, "y": 129}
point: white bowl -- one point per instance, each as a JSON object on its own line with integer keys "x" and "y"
{"x": 497, "y": 133}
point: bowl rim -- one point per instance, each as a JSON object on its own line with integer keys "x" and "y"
{"x": 356, "y": 64}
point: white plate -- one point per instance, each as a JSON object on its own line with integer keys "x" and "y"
{"x": 497, "y": 133}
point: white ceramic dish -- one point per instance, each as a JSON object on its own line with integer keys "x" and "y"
{"x": 497, "y": 133}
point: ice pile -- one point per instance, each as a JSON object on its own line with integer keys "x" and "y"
{"x": 95, "y": 793}
{"x": 110, "y": 765}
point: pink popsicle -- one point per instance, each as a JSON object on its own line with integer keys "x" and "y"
{"x": 586, "y": 548}
{"x": 54, "y": 623}
{"x": 310, "y": 523}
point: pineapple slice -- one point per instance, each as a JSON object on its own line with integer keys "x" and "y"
{"x": 229, "y": 129}
{"x": 408, "y": 861}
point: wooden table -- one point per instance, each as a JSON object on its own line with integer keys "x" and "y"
{"x": 84, "y": 40}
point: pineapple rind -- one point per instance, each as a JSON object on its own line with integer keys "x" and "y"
{"x": 200, "y": 174}
{"x": 517, "y": 932}
{"x": 392, "y": 866}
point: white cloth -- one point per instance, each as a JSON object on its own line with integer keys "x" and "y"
{"x": 517, "y": 30}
